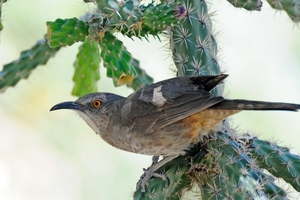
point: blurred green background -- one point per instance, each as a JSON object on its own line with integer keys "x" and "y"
{"x": 56, "y": 155}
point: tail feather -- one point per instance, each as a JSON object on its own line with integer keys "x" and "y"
{"x": 240, "y": 104}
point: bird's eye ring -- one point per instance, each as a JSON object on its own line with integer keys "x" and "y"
{"x": 97, "y": 103}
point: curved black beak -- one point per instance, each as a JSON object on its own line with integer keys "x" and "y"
{"x": 66, "y": 105}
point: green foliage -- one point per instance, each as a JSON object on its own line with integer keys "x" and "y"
{"x": 86, "y": 69}
{"x": 12, "y": 72}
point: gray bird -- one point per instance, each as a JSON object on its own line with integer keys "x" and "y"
{"x": 165, "y": 118}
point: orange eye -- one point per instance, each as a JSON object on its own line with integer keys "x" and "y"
{"x": 97, "y": 103}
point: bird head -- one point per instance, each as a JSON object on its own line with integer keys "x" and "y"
{"x": 93, "y": 108}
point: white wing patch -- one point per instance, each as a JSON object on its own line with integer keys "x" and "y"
{"x": 158, "y": 98}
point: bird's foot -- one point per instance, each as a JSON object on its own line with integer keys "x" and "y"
{"x": 151, "y": 172}
{"x": 145, "y": 178}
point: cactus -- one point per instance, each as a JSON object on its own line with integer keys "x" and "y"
{"x": 117, "y": 60}
{"x": 21, "y": 68}
{"x": 291, "y": 7}
{"x": 161, "y": 189}
{"x": 278, "y": 161}
{"x": 233, "y": 172}
{"x": 66, "y": 32}
{"x": 86, "y": 66}
{"x": 229, "y": 170}
{"x": 123, "y": 14}
{"x": 251, "y": 5}
{"x": 192, "y": 42}
{"x": 1, "y": 25}
{"x": 142, "y": 78}
{"x": 1, "y": 2}
{"x": 224, "y": 165}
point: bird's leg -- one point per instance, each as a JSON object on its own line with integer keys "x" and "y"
{"x": 148, "y": 173}
{"x": 155, "y": 159}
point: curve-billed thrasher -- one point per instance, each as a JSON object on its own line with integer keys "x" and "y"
{"x": 165, "y": 118}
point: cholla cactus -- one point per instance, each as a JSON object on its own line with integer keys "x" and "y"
{"x": 1, "y": 2}
{"x": 225, "y": 165}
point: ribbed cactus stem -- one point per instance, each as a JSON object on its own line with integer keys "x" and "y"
{"x": 64, "y": 32}
{"x": 86, "y": 67}
{"x": 1, "y": 3}
{"x": 1, "y": 25}
{"x": 250, "y": 5}
{"x": 291, "y": 7}
{"x": 125, "y": 15}
{"x": 142, "y": 79}
{"x": 179, "y": 181}
{"x": 192, "y": 44}
{"x": 117, "y": 60}
{"x": 278, "y": 161}
{"x": 230, "y": 171}
{"x": 21, "y": 68}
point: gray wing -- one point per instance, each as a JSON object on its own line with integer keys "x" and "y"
{"x": 158, "y": 105}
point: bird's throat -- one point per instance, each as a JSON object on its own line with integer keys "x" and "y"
{"x": 88, "y": 120}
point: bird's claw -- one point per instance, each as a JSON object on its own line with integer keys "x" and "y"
{"x": 145, "y": 178}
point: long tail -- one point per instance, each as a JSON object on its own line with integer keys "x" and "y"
{"x": 240, "y": 104}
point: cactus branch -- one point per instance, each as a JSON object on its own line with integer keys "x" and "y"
{"x": 21, "y": 68}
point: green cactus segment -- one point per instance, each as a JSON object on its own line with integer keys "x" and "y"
{"x": 86, "y": 66}
{"x": 228, "y": 171}
{"x": 142, "y": 78}
{"x": 130, "y": 19}
{"x": 158, "y": 188}
{"x": 122, "y": 14}
{"x": 230, "y": 174}
{"x": 250, "y": 5}
{"x": 278, "y": 161}
{"x": 192, "y": 44}
{"x": 1, "y": 3}
{"x": 117, "y": 60}
{"x": 291, "y": 7}
{"x": 63, "y": 32}
{"x": 39, "y": 54}
{"x": 182, "y": 185}
{"x": 97, "y": 27}
{"x": 271, "y": 189}
{"x": 159, "y": 17}
{"x": 1, "y": 25}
